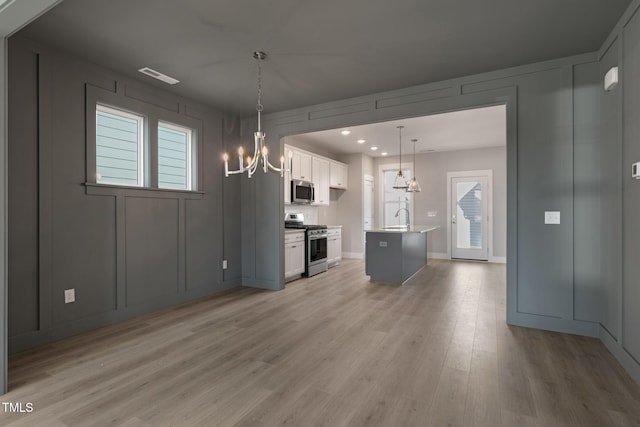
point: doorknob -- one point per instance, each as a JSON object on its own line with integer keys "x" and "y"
{"x": 453, "y": 219}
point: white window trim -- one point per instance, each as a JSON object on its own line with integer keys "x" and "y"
{"x": 140, "y": 119}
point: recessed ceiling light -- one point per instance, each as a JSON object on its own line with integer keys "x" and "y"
{"x": 362, "y": 141}
{"x": 158, "y": 75}
{"x": 345, "y": 132}
{"x": 374, "y": 148}
{"x": 384, "y": 153}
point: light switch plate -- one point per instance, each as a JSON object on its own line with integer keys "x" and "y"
{"x": 383, "y": 244}
{"x": 552, "y": 217}
{"x": 69, "y": 295}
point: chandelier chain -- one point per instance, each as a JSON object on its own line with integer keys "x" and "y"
{"x": 259, "y": 106}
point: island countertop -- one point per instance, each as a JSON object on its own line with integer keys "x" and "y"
{"x": 401, "y": 229}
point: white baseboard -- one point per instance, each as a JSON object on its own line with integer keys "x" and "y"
{"x": 438, "y": 255}
{"x": 353, "y": 255}
{"x": 498, "y": 259}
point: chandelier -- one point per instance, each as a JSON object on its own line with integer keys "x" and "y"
{"x": 400, "y": 182}
{"x": 260, "y": 150}
{"x": 414, "y": 186}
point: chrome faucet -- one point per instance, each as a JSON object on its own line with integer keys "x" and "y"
{"x": 407, "y": 211}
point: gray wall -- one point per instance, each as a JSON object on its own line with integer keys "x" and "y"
{"x": 619, "y": 289}
{"x": 431, "y": 170}
{"x": 125, "y": 251}
{"x": 350, "y": 212}
{"x": 630, "y": 339}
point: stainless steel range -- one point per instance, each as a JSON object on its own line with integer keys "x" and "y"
{"x": 315, "y": 243}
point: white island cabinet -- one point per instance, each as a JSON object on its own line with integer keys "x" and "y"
{"x": 334, "y": 245}
{"x": 293, "y": 254}
{"x": 394, "y": 254}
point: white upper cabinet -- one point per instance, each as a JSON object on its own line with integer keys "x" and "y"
{"x": 300, "y": 166}
{"x": 325, "y": 173}
{"x": 339, "y": 173}
{"x": 320, "y": 171}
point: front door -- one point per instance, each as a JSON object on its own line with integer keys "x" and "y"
{"x": 469, "y": 217}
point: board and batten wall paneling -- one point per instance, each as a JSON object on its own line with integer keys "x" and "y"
{"x": 152, "y": 249}
{"x": 588, "y": 237}
{"x": 631, "y": 188}
{"x": 125, "y": 251}
{"x": 611, "y": 195}
{"x": 23, "y": 205}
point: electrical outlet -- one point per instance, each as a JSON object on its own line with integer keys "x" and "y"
{"x": 383, "y": 244}
{"x": 552, "y": 217}
{"x": 69, "y": 295}
{"x": 224, "y": 264}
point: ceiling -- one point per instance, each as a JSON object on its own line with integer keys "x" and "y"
{"x": 459, "y": 130}
{"x": 319, "y": 51}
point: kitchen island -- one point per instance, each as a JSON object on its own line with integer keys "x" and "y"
{"x": 394, "y": 254}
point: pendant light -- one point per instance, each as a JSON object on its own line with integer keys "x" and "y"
{"x": 414, "y": 186}
{"x": 260, "y": 151}
{"x": 400, "y": 181}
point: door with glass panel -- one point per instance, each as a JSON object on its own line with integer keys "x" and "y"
{"x": 469, "y": 218}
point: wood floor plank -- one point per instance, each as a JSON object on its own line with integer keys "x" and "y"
{"x": 330, "y": 350}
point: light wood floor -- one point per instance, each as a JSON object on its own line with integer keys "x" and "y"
{"x": 331, "y": 350}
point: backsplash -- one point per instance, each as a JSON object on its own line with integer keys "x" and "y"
{"x": 310, "y": 212}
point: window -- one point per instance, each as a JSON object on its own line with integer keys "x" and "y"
{"x": 128, "y": 152}
{"x": 175, "y": 157}
{"x": 119, "y": 147}
{"x": 394, "y": 199}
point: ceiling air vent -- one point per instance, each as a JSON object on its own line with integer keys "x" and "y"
{"x": 158, "y": 75}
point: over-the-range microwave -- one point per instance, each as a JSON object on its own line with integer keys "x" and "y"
{"x": 302, "y": 192}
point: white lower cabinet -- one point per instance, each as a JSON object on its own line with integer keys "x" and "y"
{"x": 334, "y": 246}
{"x": 293, "y": 255}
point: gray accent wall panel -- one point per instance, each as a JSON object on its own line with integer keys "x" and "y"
{"x": 611, "y": 195}
{"x": 151, "y": 248}
{"x": 588, "y": 237}
{"x": 23, "y": 205}
{"x": 631, "y": 188}
{"x": 231, "y": 217}
{"x": 201, "y": 258}
{"x": 83, "y": 256}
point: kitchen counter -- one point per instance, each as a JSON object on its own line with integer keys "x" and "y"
{"x": 401, "y": 229}
{"x": 394, "y": 255}
{"x": 292, "y": 230}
